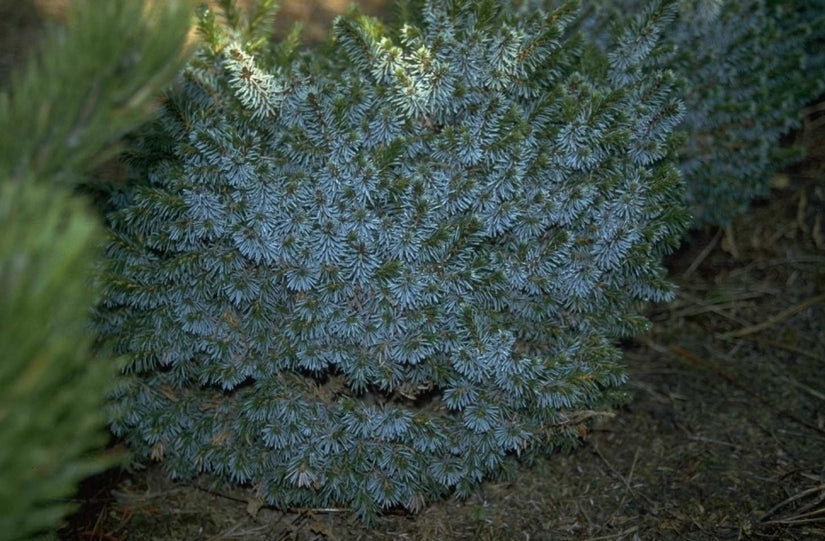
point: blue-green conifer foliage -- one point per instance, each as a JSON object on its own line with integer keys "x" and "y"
{"x": 749, "y": 76}
{"x": 379, "y": 272}
{"x": 750, "y": 66}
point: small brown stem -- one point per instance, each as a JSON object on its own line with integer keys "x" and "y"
{"x": 781, "y": 316}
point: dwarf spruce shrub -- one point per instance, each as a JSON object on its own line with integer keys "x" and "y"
{"x": 382, "y": 271}
{"x": 750, "y": 66}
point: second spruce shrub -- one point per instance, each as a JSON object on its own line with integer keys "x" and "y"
{"x": 750, "y": 66}
{"x": 379, "y": 274}
{"x": 749, "y": 76}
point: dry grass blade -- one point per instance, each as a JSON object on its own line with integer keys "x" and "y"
{"x": 703, "y": 255}
{"x": 786, "y": 347}
{"x": 807, "y": 389}
{"x": 625, "y": 480}
{"x": 696, "y": 306}
{"x": 694, "y": 359}
{"x": 781, "y": 316}
{"x": 812, "y": 512}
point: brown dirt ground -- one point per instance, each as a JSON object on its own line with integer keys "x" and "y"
{"x": 724, "y": 437}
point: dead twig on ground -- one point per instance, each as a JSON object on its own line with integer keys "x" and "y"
{"x": 627, "y": 485}
{"x": 718, "y": 442}
{"x": 697, "y": 306}
{"x": 697, "y": 361}
{"x": 786, "y": 347}
{"x": 620, "y": 535}
{"x": 771, "y": 321}
{"x": 703, "y": 254}
{"x": 811, "y": 391}
{"x": 805, "y": 514}
{"x": 626, "y": 480}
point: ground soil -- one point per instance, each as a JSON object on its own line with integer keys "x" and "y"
{"x": 723, "y": 436}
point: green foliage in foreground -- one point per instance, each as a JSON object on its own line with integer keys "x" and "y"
{"x": 92, "y": 82}
{"x": 51, "y": 391}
